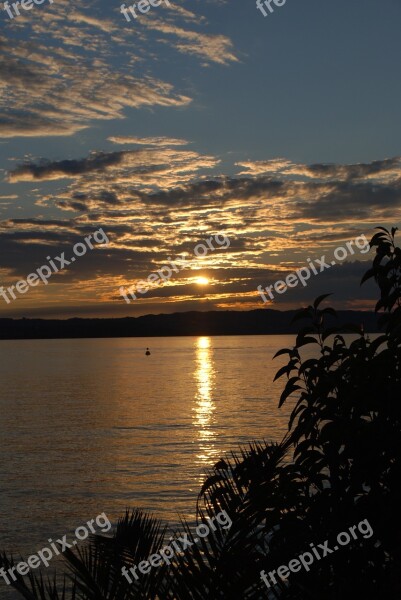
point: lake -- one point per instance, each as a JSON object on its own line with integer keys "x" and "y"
{"x": 91, "y": 426}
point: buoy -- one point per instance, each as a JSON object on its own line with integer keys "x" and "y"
{"x": 147, "y": 352}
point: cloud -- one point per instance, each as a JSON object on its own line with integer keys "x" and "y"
{"x": 186, "y": 14}
{"x": 212, "y": 48}
{"x": 38, "y": 102}
{"x": 74, "y": 67}
{"x": 160, "y": 177}
{"x": 147, "y": 141}
{"x": 156, "y": 202}
{"x": 59, "y": 86}
{"x": 48, "y": 170}
{"x": 259, "y": 167}
{"x": 26, "y": 124}
{"x": 120, "y": 173}
{"x": 379, "y": 169}
{"x": 104, "y": 25}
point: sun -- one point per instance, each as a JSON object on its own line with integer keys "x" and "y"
{"x": 202, "y": 281}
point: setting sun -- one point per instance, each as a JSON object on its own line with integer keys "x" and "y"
{"x": 202, "y": 281}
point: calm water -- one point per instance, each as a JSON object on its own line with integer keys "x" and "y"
{"x": 92, "y": 426}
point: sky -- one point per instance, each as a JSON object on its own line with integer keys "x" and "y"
{"x": 279, "y": 134}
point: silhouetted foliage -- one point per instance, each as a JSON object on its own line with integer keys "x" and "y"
{"x": 339, "y": 464}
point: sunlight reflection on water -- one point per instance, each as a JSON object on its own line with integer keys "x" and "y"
{"x": 204, "y": 404}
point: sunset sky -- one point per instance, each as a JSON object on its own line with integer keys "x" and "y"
{"x": 199, "y": 118}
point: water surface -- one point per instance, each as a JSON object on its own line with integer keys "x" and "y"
{"x": 92, "y": 426}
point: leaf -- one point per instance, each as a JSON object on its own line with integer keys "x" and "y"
{"x": 306, "y": 340}
{"x": 302, "y": 446}
{"x": 377, "y": 239}
{"x": 369, "y": 273}
{"x": 381, "y": 304}
{"x": 286, "y": 369}
{"x": 289, "y": 389}
{"x": 221, "y": 464}
{"x": 308, "y": 364}
{"x": 382, "y": 339}
{"x": 281, "y": 352}
{"x": 320, "y": 299}
{"x": 303, "y": 313}
{"x": 281, "y": 372}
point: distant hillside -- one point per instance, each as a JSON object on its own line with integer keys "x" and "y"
{"x": 254, "y": 322}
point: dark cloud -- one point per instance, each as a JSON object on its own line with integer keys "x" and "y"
{"x": 216, "y": 191}
{"x": 281, "y": 167}
{"x": 67, "y": 168}
{"x": 356, "y": 171}
{"x": 351, "y": 200}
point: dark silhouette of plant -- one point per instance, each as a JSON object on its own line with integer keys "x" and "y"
{"x": 345, "y": 430}
{"x": 339, "y": 464}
